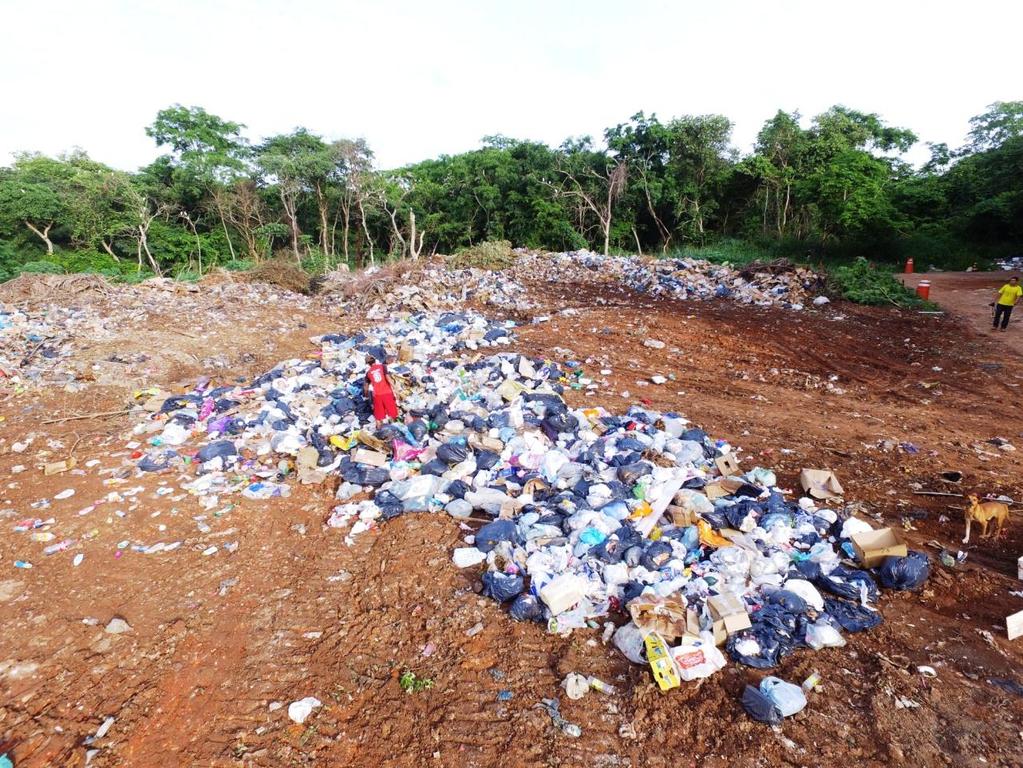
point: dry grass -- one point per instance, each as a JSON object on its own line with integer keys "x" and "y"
{"x": 69, "y": 289}
{"x": 282, "y": 273}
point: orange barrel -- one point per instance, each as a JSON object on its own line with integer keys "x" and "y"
{"x": 923, "y": 290}
{"x": 909, "y": 267}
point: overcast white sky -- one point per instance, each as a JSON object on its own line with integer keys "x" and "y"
{"x": 418, "y": 79}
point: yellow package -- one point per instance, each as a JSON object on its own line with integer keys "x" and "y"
{"x": 661, "y": 662}
{"x": 344, "y": 443}
{"x": 709, "y": 537}
{"x": 642, "y": 510}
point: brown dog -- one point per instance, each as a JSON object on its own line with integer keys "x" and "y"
{"x": 983, "y": 514}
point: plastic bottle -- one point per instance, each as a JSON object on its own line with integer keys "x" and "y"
{"x": 812, "y": 681}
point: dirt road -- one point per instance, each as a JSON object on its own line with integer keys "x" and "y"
{"x": 968, "y": 294}
{"x": 220, "y": 644}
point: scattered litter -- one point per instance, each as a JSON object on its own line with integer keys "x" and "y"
{"x": 299, "y": 711}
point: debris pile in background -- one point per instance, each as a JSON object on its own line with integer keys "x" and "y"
{"x": 775, "y": 283}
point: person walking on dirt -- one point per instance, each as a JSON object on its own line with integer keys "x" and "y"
{"x": 384, "y": 405}
{"x": 1008, "y": 295}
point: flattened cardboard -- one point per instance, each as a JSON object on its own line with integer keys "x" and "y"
{"x": 1014, "y": 625}
{"x": 727, "y": 465}
{"x": 729, "y": 614}
{"x": 373, "y": 458}
{"x": 821, "y": 484}
{"x": 662, "y": 615}
{"x": 872, "y": 547}
{"x": 726, "y": 486}
{"x": 683, "y": 517}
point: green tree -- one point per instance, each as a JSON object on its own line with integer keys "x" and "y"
{"x": 1002, "y": 121}
{"x": 34, "y": 194}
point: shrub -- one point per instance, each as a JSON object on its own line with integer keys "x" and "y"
{"x": 864, "y": 283}
{"x": 492, "y": 254}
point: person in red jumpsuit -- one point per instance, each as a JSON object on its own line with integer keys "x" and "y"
{"x": 384, "y": 404}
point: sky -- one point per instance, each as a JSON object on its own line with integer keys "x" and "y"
{"x": 420, "y": 79}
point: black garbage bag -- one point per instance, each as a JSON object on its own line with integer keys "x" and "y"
{"x": 490, "y": 534}
{"x": 790, "y": 601}
{"x": 738, "y": 512}
{"x": 487, "y": 459}
{"x": 388, "y": 433}
{"x": 390, "y": 505}
{"x": 848, "y": 582}
{"x": 631, "y": 590}
{"x": 453, "y": 453}
{"x": 156, "y": 463}
{"x": 457, "y": 488}
{"x": 363, "y": 474}
{"x": 909, "y": 572}
{"x": 716, "y": 518}
{"x": 221, "y": 448}
{"x": 697, "y": 435}
{"x": 852, "y": 617}
{"x": 807, "y": 570}
{"x": 776, "y": 631}
{"x": 526, "y": 608}
{"x": 760, "y": 707}
{"x": 656, "y": 556}
{"x": 502, "y": 587}
{"x": 630, "y": 444}
{"x": 433, "y": 467}
{"x": 418, "y": 429}
{"x": 561, "y": 422}
{"x": 630, "y": 473}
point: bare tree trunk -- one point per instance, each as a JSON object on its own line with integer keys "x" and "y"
{"x": 397, "y": 231}
{"x": 365, "y": 228}
{"x": 321, "y": 203}
{"x": 639, "y": 248}
{"x": 290, "y": 212}
{"x": 44, "y": 235}
{"x": 195, "y": 232}
{"x": 414, "y": 248}
{"x": 108, "y": 249}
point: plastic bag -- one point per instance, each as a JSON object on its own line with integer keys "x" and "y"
{"x": 909, "y": 572}
{"x": 849, "y": 583}
{"x": 220, "y": 448}
{"x": 490, "y": 534}
{"x": 502, "y": 587}
{"x": 823, "y": 635}
{"x": 628, "y": 639}
{"x": 453, "y": 453}
{"x": 630, "y": 473}
{"x": 405, "y": 452}
{"x": 760, "y": 707}
{"x": 851, "y": 617}
{"x": 434, "y": 467}
{"x": 790, "y": 601}
{"x": 487, "y": 459}
{"x": 807, "y": 591}
{"x": 788, "y": 698}
{"x": 526, "y": 608}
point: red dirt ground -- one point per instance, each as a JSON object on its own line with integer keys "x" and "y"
{"x": 215, "y": 640}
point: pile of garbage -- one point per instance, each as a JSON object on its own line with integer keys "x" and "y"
{"x": 378, "y": 293}
{"x": 685, "y": 279}
{"x": 1011, "y": 264}
{"x": 591, "y": 515}
{"x": 36, "y": 344}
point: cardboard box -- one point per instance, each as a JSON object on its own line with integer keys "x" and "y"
{"x": 872, "y": 547}
{"x": 821, "y": 484}
{"x": 729, "y": 614}
{"x": 663, "y": 615}
{"x": 1014, "y": 625}
{"x": 373, "y": 458}
{"x": 727, "y": 465}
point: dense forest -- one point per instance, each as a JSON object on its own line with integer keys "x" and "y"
{"x": 831, "y": 186}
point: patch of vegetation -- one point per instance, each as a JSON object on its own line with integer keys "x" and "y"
{"x": 492, "y": 254}
{"x": 282, "y": 273}
{"x": 866, "y": 283}
{"x": 412, "y": 684}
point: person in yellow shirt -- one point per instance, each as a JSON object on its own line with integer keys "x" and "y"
{"x": 1008, "y": 295}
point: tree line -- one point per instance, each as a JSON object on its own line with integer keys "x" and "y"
{"x": 834, "y": 183}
